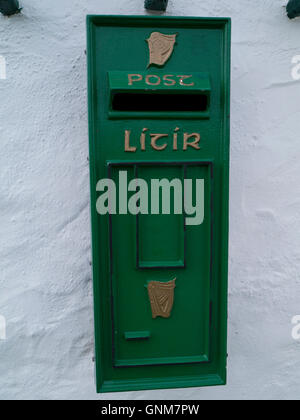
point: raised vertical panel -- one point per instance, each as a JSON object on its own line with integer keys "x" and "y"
{"x": 161, "y": 238}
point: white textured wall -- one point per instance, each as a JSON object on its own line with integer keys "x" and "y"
{"x": 45, "y": 272}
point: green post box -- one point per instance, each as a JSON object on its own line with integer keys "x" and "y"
{"x": 159, "y": 101}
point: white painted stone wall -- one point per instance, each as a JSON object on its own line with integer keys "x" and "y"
{"x": 45, "y": 253}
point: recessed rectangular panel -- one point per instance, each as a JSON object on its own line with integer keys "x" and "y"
{"x": 161, "y": 237}
{"x": 183, "y": 335}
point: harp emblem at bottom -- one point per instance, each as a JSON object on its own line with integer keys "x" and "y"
{"x": 161, "y": 297}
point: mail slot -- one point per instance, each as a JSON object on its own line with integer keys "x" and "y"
{"x": 159, "y": 105}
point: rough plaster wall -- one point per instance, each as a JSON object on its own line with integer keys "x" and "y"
{"x": 45, "y": 272}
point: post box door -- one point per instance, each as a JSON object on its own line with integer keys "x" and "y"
{"x": 160, "y": 274}
{"x": 159, "y": 125}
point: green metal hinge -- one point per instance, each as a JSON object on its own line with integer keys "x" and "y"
{"x": 137, "y": 335}
{"x": 9, "y": 7}
{"x": 160, "y": 5}
{"x": 293, "y": 9}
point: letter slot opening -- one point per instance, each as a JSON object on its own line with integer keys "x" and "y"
{"x": 159, "y": 102}
{"x": 169, "y": 96}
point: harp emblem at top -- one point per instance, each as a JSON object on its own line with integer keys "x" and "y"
{"x": 161, "y": 47}
{"x": 161, "y": 297}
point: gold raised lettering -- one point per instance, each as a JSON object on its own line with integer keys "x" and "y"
{"x": 155, "y": 138}
{"x": 128, "y": 148}
{"x": 132, "y": 78}
{"x": 182, "y": 78}
{"x": 194, "y": 144}
{"x": 153, "y": 76}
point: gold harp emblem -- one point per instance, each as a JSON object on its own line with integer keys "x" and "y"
{"x": 161, "y": 297}
{"x": 161, "y": 47}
